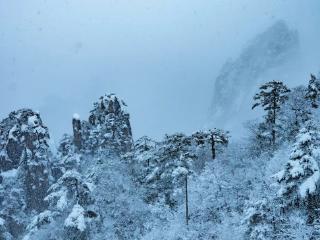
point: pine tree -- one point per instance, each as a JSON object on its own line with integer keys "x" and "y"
{"x": 258, "y": 219}
{"x": 264, "y": 221}
{"x": 70, "y": 209}
{"x": 294, "y": 113}
{"x": 313, "y": 91}
{"x": 300, "y": 178}
{"x": 213, "y": 137}
{"x": 271, "y": 97}
{"x": 168, "y": 164}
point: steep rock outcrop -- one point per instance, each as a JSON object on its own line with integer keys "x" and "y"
{"x": 108, "y": 127}
{"x": 24, "y": 168}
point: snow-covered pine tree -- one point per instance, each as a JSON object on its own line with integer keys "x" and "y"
{"x": 300, "y": 178}
{"x": 271, "y": 97}
{"x": 180, "y": 176}
{"x": 70, "y": 212}
{"x": 258, "y": 220}
{"x": 164, "y": 180}
{"x": 264, "y": 221}
{"x": 313, "y": 91}
{"x": 213, "y": 137}
{"x": 142, "y": 159}
{"x": 259, "y": 136}
{"x": 294, "y": 113}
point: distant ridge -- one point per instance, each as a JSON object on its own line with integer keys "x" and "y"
{"x": 239, "y": 78}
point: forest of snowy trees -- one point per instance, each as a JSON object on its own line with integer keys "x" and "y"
{"x": 103, "y": 184}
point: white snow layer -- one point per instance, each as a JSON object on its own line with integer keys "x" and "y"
{"x": 10, "y": 173}
{"x": 2, "y": 221}
{"x": 76, "y": 116}
{"x": 33, "y": 121}
{"x": 76, "y": 218}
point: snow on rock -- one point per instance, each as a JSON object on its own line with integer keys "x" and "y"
{"x": 10, "y": 173}
{"x": 22, "y": 131}
{"x": 76, "y": 116}
{"x": 33, "y": 121}
{"x": 108, "y": 126}
{"x": 2, "y": 221}
{"x": 76, "y": 218}
{"x": 12, "y": 132}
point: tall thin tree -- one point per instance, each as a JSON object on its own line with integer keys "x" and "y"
{"x": 271, "y": 97}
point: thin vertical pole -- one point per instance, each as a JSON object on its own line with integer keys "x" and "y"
{"x": 187, "y": 206}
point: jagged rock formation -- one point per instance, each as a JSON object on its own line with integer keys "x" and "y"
{"x": 85, "y": 199}
{"x": 108, "y": 127}
{"x": 24, "y": 166}
{"x": 22, "y": 137}
{"x": 237, "y": 81}
{"x": 99, "y": 186}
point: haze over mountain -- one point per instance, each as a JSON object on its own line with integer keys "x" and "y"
{"x": 274, "y": 54}
{"x": 168, "y": 51}
{"x": 152, "y": 157}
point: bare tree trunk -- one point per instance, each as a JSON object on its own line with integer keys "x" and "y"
{"x": 273, "y": 137}
{"x": 213, "y": 148}
{"x": 274, "y": 122}
{"x": 187, "y": 203}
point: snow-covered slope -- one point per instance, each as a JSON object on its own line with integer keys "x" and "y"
{"x": 103, "y": 185}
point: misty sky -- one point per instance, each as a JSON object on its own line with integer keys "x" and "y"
{"x": 160, "y": 56}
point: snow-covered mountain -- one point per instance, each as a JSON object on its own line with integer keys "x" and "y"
{"x": 265, "y": 58}
{"x": 101, "y": 184}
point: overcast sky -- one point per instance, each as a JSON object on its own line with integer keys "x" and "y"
{"x": 160, "y": 56}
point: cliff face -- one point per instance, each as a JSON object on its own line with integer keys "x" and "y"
{"x": 24, "y": 169}
{"x": 238, "y": 79}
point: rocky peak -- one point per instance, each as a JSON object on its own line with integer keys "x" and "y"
{"x": 108, "y": 126}
{"x": 24, "y": 149}
{"x": 107, "y": 106}
{"x": 22, "y": 133}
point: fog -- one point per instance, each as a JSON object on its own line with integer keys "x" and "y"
{"x": 160, "y": 56}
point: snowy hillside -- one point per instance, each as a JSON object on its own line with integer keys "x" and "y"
{"x": 101, "y": 184}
